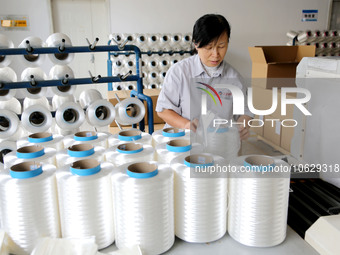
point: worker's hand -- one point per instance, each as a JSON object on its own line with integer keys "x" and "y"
{"x": 243, "y": 129}
{"x": 192, "y": 125}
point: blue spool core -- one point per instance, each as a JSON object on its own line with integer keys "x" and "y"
{"x": 25, "y": 170}
{"x": 130, "y": 135}
{"x": 40, "y": 137}
{"x": 85, "y": 167}
{"x": 129, "y": 148}
{"x": 142, "y": 170}
{"x": 173, "y": 132}
{"x": 178, "y": 145}
{"x": 85, "y": 136}
{"x": 80, "y": 150}
{"x": 30, "y": 152}
{"x": 198, "y": 160}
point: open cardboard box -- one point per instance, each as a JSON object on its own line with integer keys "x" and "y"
{"x": 275, "y": 66}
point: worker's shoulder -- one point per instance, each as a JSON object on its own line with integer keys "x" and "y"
{"x": 229, "y": 71}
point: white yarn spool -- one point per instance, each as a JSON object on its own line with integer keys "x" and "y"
{"x": 59, "y": 72}
{"x": 144, "y": 207}
{"x": 165, "y": 152}
{"x": 5, "y": 43}
{"x": 175, "y": 40}
{"x": 129, "y": 152}
{"x": 129, "y": 111}
{"x": 29, "y": 205}
{"x": 131, "y": 38}
{"x": 36, "y": 118}
{"x": 118, "y": 86}
{"x": 43, "y": 101}
{"x": 7, "y": 75}
{"x": 129, "y": 135}
{"x": 168, "y": 134}
{"x": 5, "y": 148}
{"x": 153, "y": 77}
{"x": 78, "y": 152}
{"x": 200, "y": 203}
{"x": 291, "y": 34}
{"x": 69, "y": 116}
{"x": 99, "y": 112}
{"x": 118, "y": 37}
{"x": 30, "y": 153}
{"x": 163, "y": 63}
{"x": 118, "y": 64}
{"x": 153, "y": 86}
{"x": 85, "y": 201}
{"x": 153, "y": 39}
{"x": 186, "y": 41}
{"x": 224, "y": 142}
{"x": 258, "y": 202}
{"x": 46, "y": 140}
{"x": 12, "y": 104}
{"x": 87, "y": 137}
{"x": 130, "y": 86}
{"x": 69, "y": 246}
{"x": 37, "y": 74}
{"x": 60, "y": 40}
{"x": 9, "y": 124}
{"x": 29, "y": 59}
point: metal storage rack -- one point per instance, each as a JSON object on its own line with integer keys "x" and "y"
{"x": 92, "y": 48}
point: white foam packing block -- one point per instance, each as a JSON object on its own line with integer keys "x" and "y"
{"x": 324, "y": 235}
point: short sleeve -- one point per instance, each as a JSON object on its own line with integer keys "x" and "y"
{"x": 169, "y": 97}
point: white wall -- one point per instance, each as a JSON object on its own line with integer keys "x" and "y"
{"x": 40, "y": 23}
{"x": 260, "y": 22}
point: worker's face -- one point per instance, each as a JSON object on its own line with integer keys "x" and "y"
{"x": 213, "y": 53}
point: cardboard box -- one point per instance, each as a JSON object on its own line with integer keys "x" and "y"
{"x": 123, "y": 94}
{"x": 287, "y": 134}
{"x": 263, "y": 99}
{"x": 153, "y": 93}
{"x": 272, "y": 130}
{"x": 275, "y": 66}
{"x": 257, "y": 130}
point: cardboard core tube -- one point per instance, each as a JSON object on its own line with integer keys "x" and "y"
{"x": 130, "y": 133}
{"x": 142, "y": 168}
{"x": 85, "y": 164}
{"x": 40, "y": 135}
{"x": 259, "y": 160}
{"x": 81, "y": 147}
{"x": 129, "y": 146}
{"x": 199, "y": 159}
{"x": 179, "y": 143}
{"x": 25, "y": 166}
{"x": 85, "y": 134}
{"x": 30, "y": 149}
{"x": 172, "y": 130}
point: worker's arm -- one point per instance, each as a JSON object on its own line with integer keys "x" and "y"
{"x": 175, "y": 120}
{"x": 244, "y": 130}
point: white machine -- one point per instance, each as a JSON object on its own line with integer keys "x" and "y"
{"x": 317, "y": 140}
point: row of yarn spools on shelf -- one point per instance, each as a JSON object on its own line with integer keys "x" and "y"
{"x": 33, "y": 60}
{"x": 153, "y": 66}
{"x": 146, "y": 196}
{"x": 327, "y": 42}
{"x": 70, "y": 115}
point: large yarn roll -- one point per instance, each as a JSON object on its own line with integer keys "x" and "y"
{"x": 30, "y": 153}
{"x": 7, "y": 75}
{"x": 29, "y": 205}
{"x": 200, "y": 203}
{"x": 85, "y": 200}
{"x": 143, "y": 202}
{"x": 30, "y": 59}
{"x": 5, "y": 43}
{"x": 61, "y": 41}
{"x": 62, "y": 72}
{"x": 258, "y": 202}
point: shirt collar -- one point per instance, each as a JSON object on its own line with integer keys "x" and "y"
{"x": 199, "y": 69}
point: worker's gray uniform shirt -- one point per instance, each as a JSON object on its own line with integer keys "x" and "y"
{"x": 180, "y": 91}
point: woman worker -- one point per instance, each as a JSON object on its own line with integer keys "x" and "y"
{"x": 179, "y": 102}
